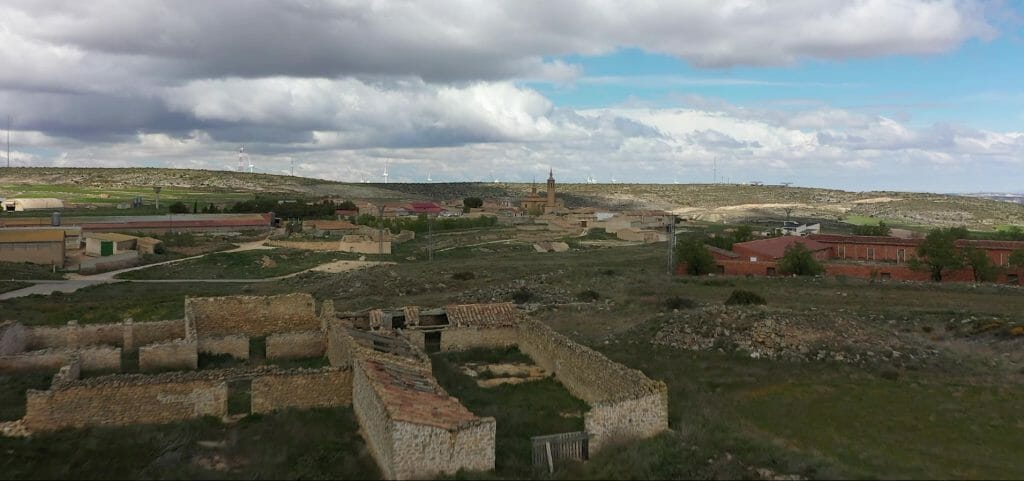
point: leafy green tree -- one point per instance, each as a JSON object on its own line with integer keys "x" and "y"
{"x": 347, "y": 205}
{"x": 743, "y": 233}
{"x": 178, "y": 208}
{"x": 938, "y": 253}
{"x": 698, "y": 259}
{"x": 981, "y": 265}
{"x": 880, "y": 230}
{"x": 1017, "y": 258}
{"x": 799, "y": 260}
{"x": 472, "y": 202}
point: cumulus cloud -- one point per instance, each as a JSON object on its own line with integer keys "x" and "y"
{"x": 341, "y": 87}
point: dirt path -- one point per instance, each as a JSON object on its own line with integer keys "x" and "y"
{"x": 76, "y": 282}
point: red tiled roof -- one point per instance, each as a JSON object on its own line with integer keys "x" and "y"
{"x": 415, "y": 397}
{"x": 481, "y": 314}
{"x": 720, "y": 251}
{"x": 425, "y": 207}
{"x": 990, "y": 244}
{"x": 775, "y": 247}
{"x": 863, "y": 239}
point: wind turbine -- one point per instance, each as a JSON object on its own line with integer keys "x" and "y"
{"x": 428, "y": 177}
{"x": 385, "y": 171}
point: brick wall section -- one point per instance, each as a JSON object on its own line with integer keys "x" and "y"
{"x": 896, "y": 272}
{"x": 296, "y": 345}
{"x": 13, "y": 338}
{"x": 178, "y": 354}
{"x": 251, "y": 315}
{"x": 302, "y": 389}
{"x": 461, "y": 339}
{"x": 126, "y": 399}
{"x": 624, "y": 402}
{"x": 236, "y": 346}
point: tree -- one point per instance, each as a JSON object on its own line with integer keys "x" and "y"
{"x": 195, "y": 207}
{"x": 348, "y": 205}
{"x": 743, "y": 233}
{"x": 799, "y": 260}
{"x": 938, "y": 253}
{"x": 698, "y": 259}
{"x": 1017, "y": 258}
{"x": 880, "y": 230}
{"x": 178, "y": 208}
{"x": 472, "y": 202}
{"x": 981, "y": 265}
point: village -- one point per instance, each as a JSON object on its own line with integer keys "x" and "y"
{"x": 435, "y": 327}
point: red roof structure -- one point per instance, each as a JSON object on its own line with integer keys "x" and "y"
{"x": 775, "y": 247}
{"x": 425, "y": 208}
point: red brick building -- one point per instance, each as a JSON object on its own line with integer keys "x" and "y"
{"x": 856, "y": 256}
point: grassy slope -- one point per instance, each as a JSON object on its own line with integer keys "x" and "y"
{"x": 240, "y": 265}
{"x": 313, "y": 444}
{"x": 26, "y": 270}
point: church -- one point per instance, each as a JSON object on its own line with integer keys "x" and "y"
{"x": 534, "y": 204}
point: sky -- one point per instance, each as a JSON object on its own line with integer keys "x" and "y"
{"x": 918, "y": 95}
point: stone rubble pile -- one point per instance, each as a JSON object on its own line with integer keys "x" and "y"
{"x": 766, "y": 333}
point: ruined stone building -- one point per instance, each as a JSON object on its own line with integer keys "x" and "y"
{"x": 377, "y": 364}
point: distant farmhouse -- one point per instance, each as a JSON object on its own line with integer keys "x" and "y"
{"x": 21, "y": 205}
{"x": 855, "y": 256}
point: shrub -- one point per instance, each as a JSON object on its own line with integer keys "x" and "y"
{"x": 608, "y": 272}
{"x": 676, "y": 302}
{"x": 472, "y": 202}
{"x": 890, "y": 375}
{"x": 178, "y": 208}
{"x": 159, "y": 249}
{"x": 740, "y": 297}
{"x": 698, "y": 259}
{"x": 522, "y": 295}
{"x": 588, "y": 296}
{"x": 799, "y": 260}
{"x": 463, "y": 276}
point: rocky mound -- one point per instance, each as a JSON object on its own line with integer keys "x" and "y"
{"x": 767, "y": 333}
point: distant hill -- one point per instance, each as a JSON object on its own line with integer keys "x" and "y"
{"x": 713, "y": 202}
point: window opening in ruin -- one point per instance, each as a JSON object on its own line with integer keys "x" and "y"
{"x": 771, "y": 271}
{"x": 901, "y": 255}
{"x": 886, "y": 276}
{"x": 432, "y": 342}
{"x": 240, "y": 397}
{"x": 1012, "y": 279}
{"x": 721, "y": 269}
{"x": 130, "y": 360}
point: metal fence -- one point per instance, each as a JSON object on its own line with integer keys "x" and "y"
{"x": 552, "y": 448}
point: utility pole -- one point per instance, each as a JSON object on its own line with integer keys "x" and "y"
{"x": 430, "y": 238}
{"x": 380, "y": 238}
{"x": 671, "y": 229}
{"x": 156, "y": 188}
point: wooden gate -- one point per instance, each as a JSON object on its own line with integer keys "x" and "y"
{"x": 552, "y": 448}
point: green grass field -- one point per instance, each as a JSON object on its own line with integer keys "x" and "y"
{"x": 26, "y": 270}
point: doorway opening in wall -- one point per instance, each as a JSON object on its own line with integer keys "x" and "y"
{"x": 129, "y": 360}
{"x": 721, "y": 269}
{"x": 886, "y": 276}
{"x": 771, "y": 271}
{"x": 257, "y": 350}
{"x": 432, "y": 342}
{"x": 1012, "y": 279}
{"x": 240, "y": 397}
{"x": 398, "y": 321}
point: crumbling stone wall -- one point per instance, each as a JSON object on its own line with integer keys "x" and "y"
{"x": 126, "y": 334}
{"x": 50, "y": 360}
{"x": 236, "y": 346}
{"x": 251, "y": 315}
{"x": 13, "y": 338}
{"x": 412, "y": 438}
{"x": 126, "y": 399}
{"x": 102, "y": 359}
{"x": 179, "y": 354}
{"x": 624, "y": 402}
{"x": 304, "y": 388}
{"x": 296, "y": 345}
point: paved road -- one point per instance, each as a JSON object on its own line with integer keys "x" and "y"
{"x": 76, "y": 281}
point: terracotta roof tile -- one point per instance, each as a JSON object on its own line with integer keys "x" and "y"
{"x": 464, "y": 315}
{"x": 415, "y": 397}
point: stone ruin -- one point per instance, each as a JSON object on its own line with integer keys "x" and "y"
{"x": 378, "y": 364}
